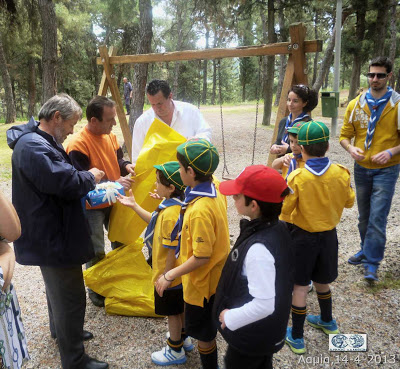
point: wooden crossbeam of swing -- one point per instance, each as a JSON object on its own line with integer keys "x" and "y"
{"x": 261, "y": 50}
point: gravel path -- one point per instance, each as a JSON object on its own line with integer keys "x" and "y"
{"x": 127, "y": 342}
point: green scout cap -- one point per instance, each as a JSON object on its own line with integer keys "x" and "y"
{"x": 171, "y": 173}
{"x": 312, "y": 132}
{"x": 295, "y": 128}
{"x": 201, "y": 155}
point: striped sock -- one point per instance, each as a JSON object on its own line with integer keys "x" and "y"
{"x": 298, "y": 318}
{"x": 209, "y": 357}
{"x": 175, "y": 345}
{"x": 325, "y": 305}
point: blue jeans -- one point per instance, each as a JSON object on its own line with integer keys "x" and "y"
{"x": 374, "y": 190}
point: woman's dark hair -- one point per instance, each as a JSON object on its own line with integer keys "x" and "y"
{"x": 269, "y": 210}
{"x": 164, "y": 181}
{"x": 199, "y": 176}
{"x": 318, "y": 149}
{"x": 307, "y": 94}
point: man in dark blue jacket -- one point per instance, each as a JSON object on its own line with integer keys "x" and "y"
{"x": 46, "y": 191}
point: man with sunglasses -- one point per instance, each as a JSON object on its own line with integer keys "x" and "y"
{"x": 373, "y": 120}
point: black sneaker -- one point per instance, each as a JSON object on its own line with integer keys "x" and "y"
{"x": 357, "y": 259}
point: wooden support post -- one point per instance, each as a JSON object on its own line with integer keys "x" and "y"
{"x": 112, "y": 84}
{"x": 103, "y": 88}
{"x": 296, "y": 73}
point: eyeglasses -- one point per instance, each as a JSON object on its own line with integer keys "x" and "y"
{"x": 378, "y": 75}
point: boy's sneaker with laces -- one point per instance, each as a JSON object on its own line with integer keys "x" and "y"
{"x": 187, "y": 343}
{"x": 328, "y": 327}
{"x": 357, "y": 259}
{"x": 370, "y": 273}
{"x": 296, "y": 345}
{"x": 167, "y": 356}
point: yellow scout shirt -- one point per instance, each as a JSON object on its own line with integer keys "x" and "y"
{"x": 204, "y": 234}
{"x": 387, "y": 130}
{"x": 317, "y": 202}
{"x": 162, "y": 241}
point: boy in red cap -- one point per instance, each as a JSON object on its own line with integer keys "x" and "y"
{"x": 203, "y": 244}
{"x": 321, "y": 190}
{"x": 254, "y": 293}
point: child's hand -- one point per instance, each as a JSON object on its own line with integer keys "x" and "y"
{"x": 222, "y": 318}
{"x": 155, "y": 195}
{"x": 127, "y": 200}
{"x": 286, "y": 160}
{"x": 162, "y": 284}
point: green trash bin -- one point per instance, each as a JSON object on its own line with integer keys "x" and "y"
{"x": 330, "y": 103}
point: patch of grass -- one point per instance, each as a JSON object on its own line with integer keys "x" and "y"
{"x": 5, "y": 153}
{"x": 388, "y": 282}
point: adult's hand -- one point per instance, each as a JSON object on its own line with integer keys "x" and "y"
{"x": 125, "y": 182}
{"x": 130, "y": 168}
{"x": 7, "y": 263}
{"x": 356, "y": 153}
{"x": 381, "y": 157}
{"x": 98, "y": 174}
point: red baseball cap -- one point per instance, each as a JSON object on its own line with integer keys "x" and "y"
{"x": 258, "y": 182}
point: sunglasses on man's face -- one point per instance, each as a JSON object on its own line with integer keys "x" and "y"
{"x": 378, "y": 75}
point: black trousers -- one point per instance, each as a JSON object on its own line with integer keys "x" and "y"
{"x": 66, "y": 303}
{"x": 236, "y": 360}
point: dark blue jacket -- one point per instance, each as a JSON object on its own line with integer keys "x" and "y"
{"x": 46, "y": 192}
{"x": 267, "y": 335}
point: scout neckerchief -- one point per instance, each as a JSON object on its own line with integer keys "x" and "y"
{"x": 376, "y": 107}
{"x": 291, "y": 124}
{"x": 318, "y": 166}
{"x": 293, "y": 164}
{"x": 149, "y": 234}
{"x": 204, "y": 189}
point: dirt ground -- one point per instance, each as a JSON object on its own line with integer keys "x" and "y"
{"x": 127, "y": 342}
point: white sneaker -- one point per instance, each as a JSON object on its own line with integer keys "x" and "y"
{"x": 310, "y": 287}
{"x": 187, "y": 343}
{"x": 167, "y": 356}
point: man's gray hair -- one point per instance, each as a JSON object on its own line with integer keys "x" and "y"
{"x": 63, "y": 103}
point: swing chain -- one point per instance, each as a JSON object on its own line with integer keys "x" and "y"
{"x": 257, "y": 104}
{"x": 225, "y": 168}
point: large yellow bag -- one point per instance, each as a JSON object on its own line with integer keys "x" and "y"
{"x": 124, "y": 278}
{"x": 159, "y": 147}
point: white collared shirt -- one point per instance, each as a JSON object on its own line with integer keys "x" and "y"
{"x": 186, "y": 120}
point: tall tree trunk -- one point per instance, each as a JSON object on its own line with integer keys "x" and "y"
{"x": 140, "y": 78}
{"x": 393, "y": 38}
{"x": 49, "y": 43}
{"x": 380, "y": 28}
{"x": 283, "y": 31}
{"x": 361, "y": 10}
{"x": 8, "y": 96}
{"x": 205, "y": 64}
{"x": 269, "y": 65}
{"x": 179, "y": 42}
{"x": 214, "y": 66}
{"x": 316, "y": 56}
{"x": 31, "y": 87}
{"x": 326, "y": 62}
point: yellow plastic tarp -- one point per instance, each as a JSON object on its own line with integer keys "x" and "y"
{"x": 159, "y": 147}
{"x": 124, "y": 278}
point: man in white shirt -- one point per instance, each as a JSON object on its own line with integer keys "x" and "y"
{"x": 183, "y": 117}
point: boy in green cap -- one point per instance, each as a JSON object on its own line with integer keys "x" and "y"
{"x": 203, "y": 244}
{"x": 321, "y": 190}
{"x": 158, "y": 239}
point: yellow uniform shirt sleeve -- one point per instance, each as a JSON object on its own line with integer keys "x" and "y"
{"x": 203, "y": 236}
{"x": 348, "y": 130}
{"x": 167, "y": 227}
{"x": 290, "y": 202}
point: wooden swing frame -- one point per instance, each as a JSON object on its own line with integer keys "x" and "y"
{"x": 296, "y": 69}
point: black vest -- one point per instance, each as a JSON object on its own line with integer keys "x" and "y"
{"x": 266, "y": 335}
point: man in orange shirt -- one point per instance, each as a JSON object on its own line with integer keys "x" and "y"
{"x": 97, "y": 147}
